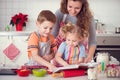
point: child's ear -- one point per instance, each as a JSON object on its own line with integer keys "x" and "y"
{"x": 80, "y": 38}
{"x": 37, "y": 23}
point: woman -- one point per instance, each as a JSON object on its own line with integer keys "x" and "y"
{"x": 77, "y": 12}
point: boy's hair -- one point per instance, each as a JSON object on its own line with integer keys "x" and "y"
{"x": 46, "y": 15}
{"x": 72, "y": 29}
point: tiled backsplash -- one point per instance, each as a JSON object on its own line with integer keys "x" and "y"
{"x": 8, "y": 8}
{"x": 106, "y": 11}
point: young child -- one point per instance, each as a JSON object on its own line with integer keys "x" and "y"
{"x": 41, "y": 42}
{"x": 71, "y": 51}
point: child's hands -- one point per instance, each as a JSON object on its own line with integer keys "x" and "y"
{"x": 51, "y": 67}
{"x": 76, "y": 62}
{"x": 79, "y": 61}
{"x": 65, "y": 64}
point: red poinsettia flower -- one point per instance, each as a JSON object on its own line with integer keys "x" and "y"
{"x": 19, "y": 19}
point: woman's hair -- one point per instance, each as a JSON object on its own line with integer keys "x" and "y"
{"x": 71, "y": 28}
{"x": 83, "y": 17}
{"x": 46, "y": 15}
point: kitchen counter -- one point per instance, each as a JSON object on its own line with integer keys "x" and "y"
{"x": 48, "y": 77}
{"x": 110, "y": 34}
{"x": 15, "y": 33}
{"x": 26, "y": 33}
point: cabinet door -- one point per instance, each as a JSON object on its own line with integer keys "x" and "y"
{"x": 3, "y": 44}
{"x": 21, "y": 43}
{"x": 108, "y": 40}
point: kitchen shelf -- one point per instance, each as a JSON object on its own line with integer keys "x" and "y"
{"x": 26, "y": 33}
{"x": 116, "y": 35}
{"x": 15, "y": 33}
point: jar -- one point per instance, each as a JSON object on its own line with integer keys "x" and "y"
{"x": 117, "y": 30}
{"x": 103, "y": 57}
{"x": 113, "y": 71}
{"x": 92, "y": 73}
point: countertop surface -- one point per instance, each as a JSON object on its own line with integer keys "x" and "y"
{"x": 26, "y": 33}
{"x": 108, "y": 34}
{"x": 49, "y": 77}
{"x": 15, "y": 33}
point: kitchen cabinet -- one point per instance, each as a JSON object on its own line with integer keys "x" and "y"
{"x": 109, "y": 43}
{"x": 108, "y": 39}
{"x": 19, "y": 40}
{"x": 14, "y": 33}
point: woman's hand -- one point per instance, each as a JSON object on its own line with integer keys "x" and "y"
{"x": 61, "y": 34}
{"x": 88, "y": 59}
{"x": 90, "y": 54}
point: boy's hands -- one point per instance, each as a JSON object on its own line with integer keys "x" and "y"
{"x": 51, "y": 67}
{"x": 49, "y": 57}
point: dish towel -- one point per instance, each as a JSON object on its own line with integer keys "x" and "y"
{"x": 11, "y": 51}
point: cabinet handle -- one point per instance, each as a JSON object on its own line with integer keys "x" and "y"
{"x": 104, "y": 41}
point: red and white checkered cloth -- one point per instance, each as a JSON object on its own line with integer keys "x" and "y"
{"x": 59, "y": 40}
{"x": 11, "y": 51}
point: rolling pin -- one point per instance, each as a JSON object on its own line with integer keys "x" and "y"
{"x": 69, "y": 73}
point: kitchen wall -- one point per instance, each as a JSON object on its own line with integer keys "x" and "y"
{"x": 106, "y": 11}
{"x": 8, "y": 8}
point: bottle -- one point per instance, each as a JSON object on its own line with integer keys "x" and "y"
{"x": 103, "y": 59}
{"x": 7, "y": 28}
{"x": 92, "y": 73}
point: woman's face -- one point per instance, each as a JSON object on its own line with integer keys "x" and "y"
{"x": 74, "y": 7}
{"x": 45, "y": 28}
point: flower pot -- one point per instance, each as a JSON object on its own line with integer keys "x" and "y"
{"x": 19, "y": 27}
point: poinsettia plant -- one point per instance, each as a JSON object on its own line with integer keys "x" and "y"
{"x": 19, "y": 19}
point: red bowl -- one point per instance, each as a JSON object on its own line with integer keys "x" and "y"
{"x": 23, "y": 72}
{"x": 49, "y": 72}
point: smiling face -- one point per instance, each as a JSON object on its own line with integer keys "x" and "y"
{"x": 74, "y": 7}
{"x": 72, "y": 39}
{"x": 45, "y": 28}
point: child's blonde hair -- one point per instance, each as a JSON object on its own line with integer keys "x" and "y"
{"x": 72, "y": 29}
{"x": 46, "y": 15}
